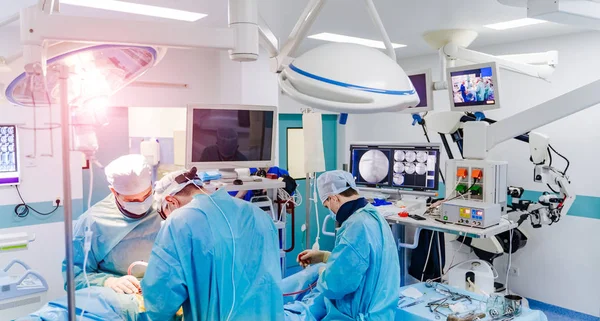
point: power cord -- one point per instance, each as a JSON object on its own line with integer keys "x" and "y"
{"x": 22, "y": 210}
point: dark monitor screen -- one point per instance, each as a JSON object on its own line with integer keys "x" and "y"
{"x": 228, "y": 135}
{"x": 419, "y": 81}
{"x": 415, "y": 167}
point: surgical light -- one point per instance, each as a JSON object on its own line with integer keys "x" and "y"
{"x": 326, "y": 36}
{"x": 514, "y": 24}
{"x": 344, "y": 77}
{"x": 140, "y": 9}
{"x": 93, "y": 71}
{"x": 348, "y": 78}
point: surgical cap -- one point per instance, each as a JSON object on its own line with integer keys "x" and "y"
{"x": 174, "y": 182}
{"x": 129, "y": 174}
{"x": 333, "y": 183}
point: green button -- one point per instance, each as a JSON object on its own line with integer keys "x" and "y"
{"x": 445, "y": 218}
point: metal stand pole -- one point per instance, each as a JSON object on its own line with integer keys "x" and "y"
{"x": 67, "y": 199}
{"x": 308, "y": 203}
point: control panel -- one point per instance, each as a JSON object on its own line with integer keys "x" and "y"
{"x": 471, "y": 213}
{"x": 480, "y": 181}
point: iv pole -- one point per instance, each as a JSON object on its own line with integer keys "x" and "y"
{"x": 66, "y": 173}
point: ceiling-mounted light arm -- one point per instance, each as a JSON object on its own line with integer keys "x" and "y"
{"x": 267, "y": 39}
{"x": 310, "y": 13}
{"x": 453, "y": 51}
{"x": 308, "y": 18}
{"x": 9, "y": 20}
{"x": 379, "y": 24}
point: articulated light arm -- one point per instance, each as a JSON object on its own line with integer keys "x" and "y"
{"x": 306, "y": 20}
{"x": 267, "y": 39}
{"x": 511, "y": 62}
{"x": 308, "y": 17}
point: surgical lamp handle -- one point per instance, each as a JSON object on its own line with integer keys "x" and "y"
{"x": 379, "y": 24}
{"x": 415, "y": 242}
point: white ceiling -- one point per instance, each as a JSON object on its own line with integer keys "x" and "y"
{"x": 405, "y": 21}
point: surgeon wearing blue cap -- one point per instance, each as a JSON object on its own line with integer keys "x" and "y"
{"x": 361, "y": 277}
{"x": 215, "y": 255}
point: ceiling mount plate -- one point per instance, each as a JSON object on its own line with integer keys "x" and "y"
{"x": 439, "y": 38}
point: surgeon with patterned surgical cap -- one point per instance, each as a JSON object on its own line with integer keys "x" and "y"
{"x": 216, "y": 256}
{"x": 120, "y": 229}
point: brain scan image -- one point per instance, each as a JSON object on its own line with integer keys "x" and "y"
{"x": 398, "y": 155}
{"x": 3, "y": 139}
{"x": 398, "y": 179}
{"x": 410, "y": 156}
{"x": 398, "y": 168}
{"x": 373, "y": 166}
{"x": 421, "y": 169}
{"x": 410, "y": 168}
{"x": 3, "y": 130}
{"x": 11, "y": 147}
{"x": 422, "y": 157}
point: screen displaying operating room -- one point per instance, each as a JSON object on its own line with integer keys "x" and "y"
{"x": 220, "y": 135}
{"x": 396, "y": 166}
{"x": 473, "y": 87}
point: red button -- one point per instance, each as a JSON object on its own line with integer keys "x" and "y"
{"x": 403, "y": 214}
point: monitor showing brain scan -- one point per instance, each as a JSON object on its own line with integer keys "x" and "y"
{"x": 399, "y": 166}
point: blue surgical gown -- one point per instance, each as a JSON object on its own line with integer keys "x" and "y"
{"x": 117, "y": 241}
{"x": 362, "y": 275}
{"x": 192, "y": 261}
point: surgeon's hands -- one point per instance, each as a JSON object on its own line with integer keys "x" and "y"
{"x": 307, "y": 257}
{"x": 127, "y": 284}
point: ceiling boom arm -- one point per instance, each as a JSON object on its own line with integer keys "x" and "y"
{"x": 543, "y": 114}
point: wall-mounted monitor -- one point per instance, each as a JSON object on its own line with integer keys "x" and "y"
{"x": 423, "y": 84}
{"x": 9, "y": 156}
{"x": 474, "y": 87}
{"x": 230, "y": 136}
{"x": 400, "y": 166}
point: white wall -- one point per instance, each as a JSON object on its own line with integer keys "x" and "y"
{"x": 212, "y": 77}
{"x": 559, "y": 264}
{"x": 41, "y": 182}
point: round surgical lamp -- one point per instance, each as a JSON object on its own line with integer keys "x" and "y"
{"x": 99, "y": 70}
{"x": 348, "y": 78}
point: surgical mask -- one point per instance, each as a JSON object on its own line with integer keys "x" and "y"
{"x": 137, "y": 208}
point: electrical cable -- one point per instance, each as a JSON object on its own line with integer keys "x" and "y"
{"x": 428, "y": 254}
{"x": 561, "y": 156}
{"x": 315, "y": 198}
{"x": 509, "y": 258}
{"x": 22, "y": 210}
{"x": 87, "y": 246}
{"x": 440, "y": 253}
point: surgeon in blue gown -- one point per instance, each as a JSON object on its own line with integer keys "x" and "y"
{"x": 121, "y": 228}
{"x": 361, "y": 278}
{"x": 215, "y": 255}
